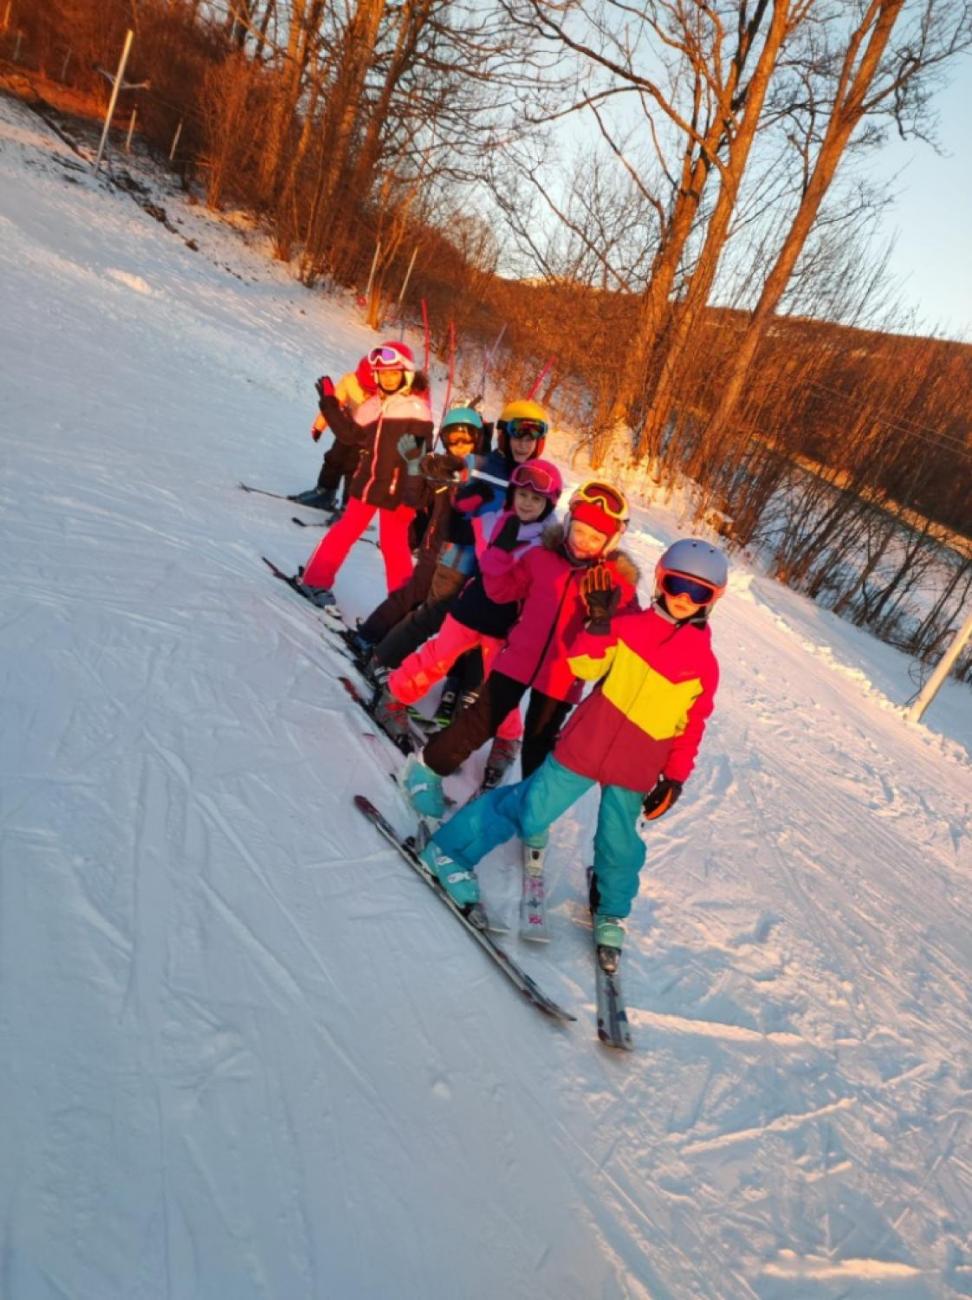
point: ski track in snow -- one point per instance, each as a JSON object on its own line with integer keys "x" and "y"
{"x": 246, "y": 1053}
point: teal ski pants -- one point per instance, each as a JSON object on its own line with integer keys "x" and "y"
{"x": 528, "y": 809}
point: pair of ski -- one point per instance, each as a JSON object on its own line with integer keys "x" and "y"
{"x": 612, "y": 1020}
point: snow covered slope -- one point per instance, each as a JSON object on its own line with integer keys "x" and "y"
{"x": 245, "y": 1053}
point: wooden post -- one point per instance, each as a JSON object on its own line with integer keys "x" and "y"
{"x": 408, "y": 276}
{"x": 930, "y": 688}
{"x": 175, "y": 140}
{"x": 131, "y": 128}
{"x": 116, "y": 87}
{"x": 374, "y": 266}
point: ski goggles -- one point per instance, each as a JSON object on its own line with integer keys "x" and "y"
{"x": 526, "y": 428}
{"x": 387, "y": 359}
{"x": 680, "y": 584}
{"x": 460, "y": 433}
{"x": 608, "y": 498}
{"x": 535, "y": 477}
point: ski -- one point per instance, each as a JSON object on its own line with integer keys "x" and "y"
{"x": 294, "y": 497}
{"x": 524, "y": 982}
{"x": 293, "y": 581}
{"x": 281, "y": 496}
{"x": 612, "y": 1017}
{"x": 533, "y": 913}
{"x": 315, "y": 523}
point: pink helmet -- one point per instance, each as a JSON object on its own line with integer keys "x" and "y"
{"x": 540, "y": 476}
{"x": 393, "y": 356}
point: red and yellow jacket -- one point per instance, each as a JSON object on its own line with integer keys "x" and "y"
{"x": 656, "y": 687}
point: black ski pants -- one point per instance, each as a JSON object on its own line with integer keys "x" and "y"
{"x": 340, "y": 461}
{"x": 408, "y": 618}
{"x": 474, "y": 725}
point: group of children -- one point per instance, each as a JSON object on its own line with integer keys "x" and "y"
{"x": 546, "y": 606}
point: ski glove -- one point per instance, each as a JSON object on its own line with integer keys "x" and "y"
{"x": 325, "y": 387}
{"x": 474, "y": 495}
{"x": 601, "y": 596}
{"x": 411, "y": 450}
{"x": 317, "y": 430}
{"x": 442, "y": 467}
{"x": 506, "y": 541}
{"x": 661, "y": 798}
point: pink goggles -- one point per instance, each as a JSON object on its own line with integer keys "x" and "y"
{"x": 538, "y": 478}
{"x": 388, "y": 359}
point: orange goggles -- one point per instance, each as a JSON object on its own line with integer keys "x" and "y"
{"x": 608, "y": 498}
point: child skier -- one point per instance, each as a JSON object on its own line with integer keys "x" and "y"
{"x": 341, "y": 458}
{"x": 414, "y": 611}
{"x": 638, "y": 731}
{"x": 392, "y": 430}
{"x": 477, "y": 621}
{"x": 547, "y": 580}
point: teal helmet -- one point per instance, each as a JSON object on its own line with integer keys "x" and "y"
{"x": 462, "y": 415}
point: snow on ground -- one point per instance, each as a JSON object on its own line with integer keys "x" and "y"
{"x": 246, "y": 1054}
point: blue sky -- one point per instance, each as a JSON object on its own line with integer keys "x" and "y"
{"x": 932, "y": 216}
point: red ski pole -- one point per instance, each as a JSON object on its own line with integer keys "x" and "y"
{"x": 547, "y": 366}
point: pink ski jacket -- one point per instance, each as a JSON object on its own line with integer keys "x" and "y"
{"x": 645, "y": 719}
{"x": 547, "y": 580}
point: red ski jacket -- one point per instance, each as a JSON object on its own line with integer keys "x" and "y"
{"x": 656, "y": 688}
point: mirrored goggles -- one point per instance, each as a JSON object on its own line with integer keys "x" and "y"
{"x": 534, "y": 429}
{"x": 608, "y": 498}
{"x": 460, "y": 433}
{"x": 387, "y": 359}
{"x": 680, "y": 584}
{"x": 536, "y": 477}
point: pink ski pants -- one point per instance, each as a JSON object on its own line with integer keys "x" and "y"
{"x": 432, "y": 661}
{"x": 322, "y": 567}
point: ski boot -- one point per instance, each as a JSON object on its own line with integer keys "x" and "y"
{"x": 322, "y": 597}
{"x": 461, "y": 885}
{"x": 359, "y": 645}
{"x": 316, "y": 498}
{"x": 392, "y": 716}
{"x": 502, "y": 755}
{"x": 423, "y": 789}
{"x": 608, "y": 939}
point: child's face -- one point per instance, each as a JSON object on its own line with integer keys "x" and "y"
{"x": 528, "y": 505}
{"x": 460, "y": 443}
{"x": 389, "y": 380}
{"x": 522, "y": 446}
{"x": 680, "y": 606}
{"x": 584, "y": 540}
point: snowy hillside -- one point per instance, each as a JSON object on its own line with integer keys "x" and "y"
{"x": 246, "y": 1054}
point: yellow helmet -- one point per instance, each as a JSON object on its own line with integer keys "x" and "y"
{"x": 530, "y": 417}
{"x": 524, "y": 409}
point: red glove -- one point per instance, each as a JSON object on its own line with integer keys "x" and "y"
{"x": 325, "y": 387}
